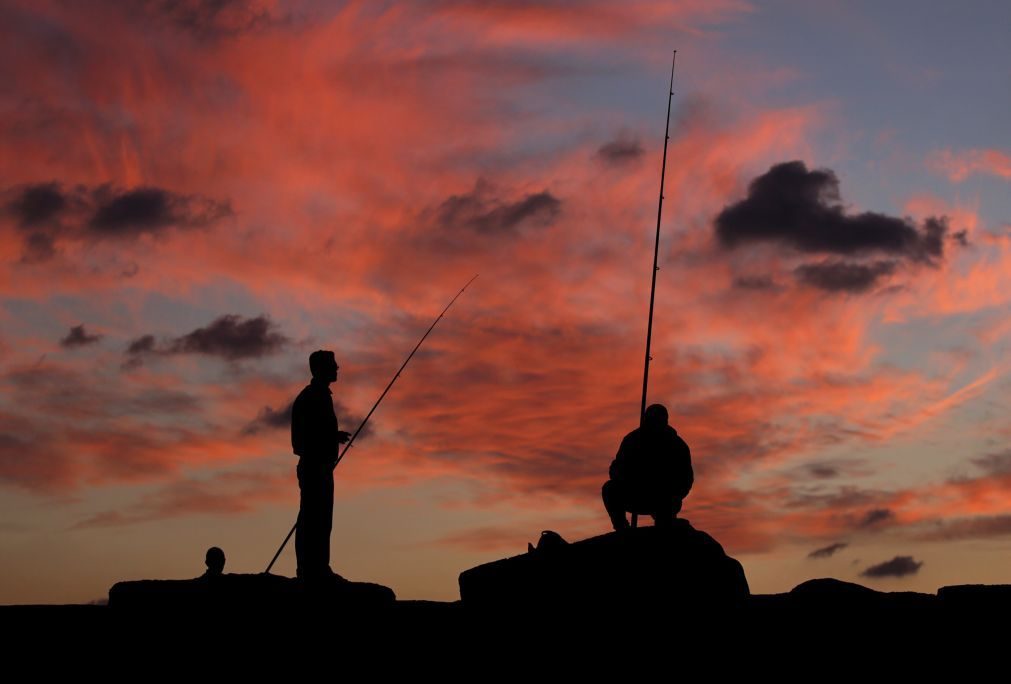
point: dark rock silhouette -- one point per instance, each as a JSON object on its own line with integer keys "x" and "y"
{"x": 243, "y": 593}
{"x": 988, "y": 603}
{"x": 263, "y": 621}
{"x": 843, "y": 600}
{"x": 549, "y": 540}
{"x": 651, "y": 473}
{"x": 628, "y": 570}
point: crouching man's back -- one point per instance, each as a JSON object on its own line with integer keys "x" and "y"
{"x": 651, "y": 473}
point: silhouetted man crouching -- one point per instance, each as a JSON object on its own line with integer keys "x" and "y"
{"x": 651, "y": 474}
{"x": 315, "y": 439}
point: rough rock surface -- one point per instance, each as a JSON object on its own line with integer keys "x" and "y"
{"x": 233, "y": 592}
{"x": 641, "y": 567}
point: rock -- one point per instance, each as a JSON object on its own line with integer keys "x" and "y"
{"x": 641, "y": 568}
{"x": 821, "y": 613}
{"x": 985, "y": 599}
{"x": 831, "y": 589}
{"x": 260, "y": 592}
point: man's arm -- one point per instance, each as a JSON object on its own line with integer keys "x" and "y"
{"x": 685, "y": 475}
{"x": 618, "y": 467}
{"x": 298, "y": 427}
{"x": 326, "y": 427}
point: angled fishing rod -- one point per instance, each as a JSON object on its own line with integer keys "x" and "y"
{"x": 372, "y": 410}
{"x": 656, "y": 249}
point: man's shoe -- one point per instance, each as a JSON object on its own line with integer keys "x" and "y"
{"x": 321, "y": 575}
{"x": 330, "y": 574}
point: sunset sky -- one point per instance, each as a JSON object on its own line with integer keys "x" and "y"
{"x": 196, "y": 194}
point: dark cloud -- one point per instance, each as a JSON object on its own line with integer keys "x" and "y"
{"x": 875, "y": 517}
{"x": 900, "y": 566}
{"x": 802, "y": 209}
{"x": 620, "y": 151}
{"x": 38, "y": 204}
{"x": 822, "y": 471}
{"x": 38, "y": 247}
{"x": 280, "y": 419}
{"x": 46, "y": 213}
{"x": 137, "y": 350}
{"x": 142, "y": 345}
{"x": 215, "y": 19}
{"x": 350, "y": 420}
{"x": 759, "y": 283}
{"x": 829, "y": 470}
{"x": 827, "y": 551}
{"x": 230, "y": 337}
{"x": 146, "y": 210}
{"x": 998, "y": 463}
{"x": 482, "y": 211}
{"x": 843, "y": 276}
{"x": 269, "y": 419}
{"x": 980, "y": 527}
{"x": 833, "y": 468}
{"x": 79, "y": 337}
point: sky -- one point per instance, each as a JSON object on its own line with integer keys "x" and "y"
{"x": 195, "y": 195}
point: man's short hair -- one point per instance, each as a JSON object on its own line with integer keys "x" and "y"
{"x": 656, "y": 414}
{"x": 320, "y": 360}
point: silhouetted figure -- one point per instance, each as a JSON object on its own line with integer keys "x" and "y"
{"x": 651, "y": 473}
{"x": 215, "y": 562}
{"x": 315, "y": 439}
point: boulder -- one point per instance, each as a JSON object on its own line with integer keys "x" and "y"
{"x": 640, "y": 568}
{"x": 247, "y": 592}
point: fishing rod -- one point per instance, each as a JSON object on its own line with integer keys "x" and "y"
{"x": 656, "y": 249}
{"x": 372, "y": 410}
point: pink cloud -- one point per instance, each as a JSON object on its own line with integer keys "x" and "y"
{"x": 959, "y": 165}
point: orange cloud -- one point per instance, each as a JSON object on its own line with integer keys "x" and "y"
{"x": 961, "y": 164}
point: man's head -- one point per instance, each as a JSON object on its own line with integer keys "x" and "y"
{"x": 655, "y": 417}
{"x": 215, "y": 560}
{"x": 323, "y": 366}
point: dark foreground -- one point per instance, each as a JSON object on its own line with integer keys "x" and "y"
{"x": 656, "y": 603}
{"x": 823, "y": 626}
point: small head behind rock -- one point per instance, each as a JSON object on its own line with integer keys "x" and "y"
{"x": 215, "y": 561}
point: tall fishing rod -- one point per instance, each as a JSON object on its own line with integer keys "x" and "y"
{"x": 372, "y": 410}
{"x": 656, "y": 249}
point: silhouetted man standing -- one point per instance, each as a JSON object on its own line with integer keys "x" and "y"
{"x": 651, "y": 473}
{"x": 315, "y": 439}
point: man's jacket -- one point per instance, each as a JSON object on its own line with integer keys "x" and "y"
{"x": 654, "y": 460}
{"x": 314, "y": 424}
